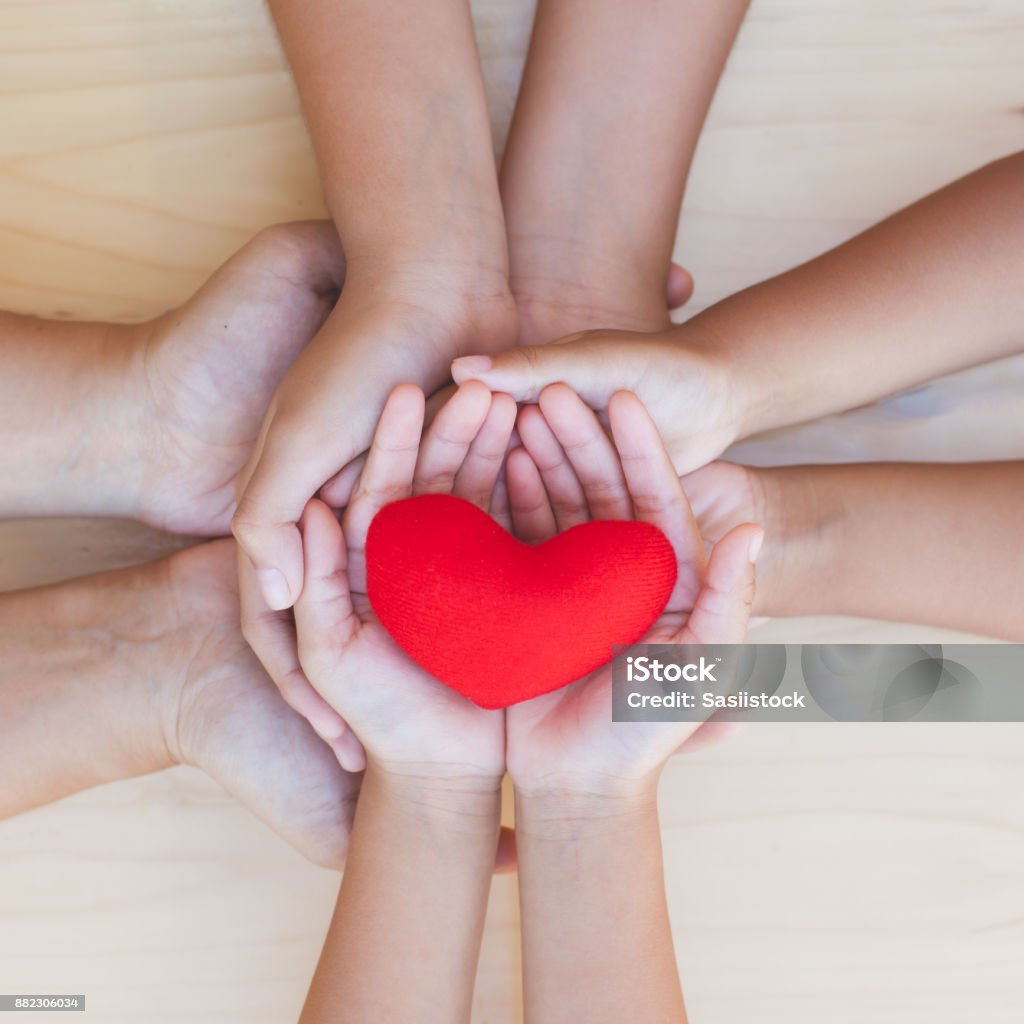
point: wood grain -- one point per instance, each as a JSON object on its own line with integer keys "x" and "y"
{"x": 840, "y": 874}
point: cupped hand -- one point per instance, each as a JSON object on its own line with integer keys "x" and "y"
{"x": 685, "y": 386}
{"x": 222, "y": 714}
{"x": 568, "y": 472}
{"x": 404, "y": 326}
{"x": 202, "y": 376}
{"x": 408, "y": 723}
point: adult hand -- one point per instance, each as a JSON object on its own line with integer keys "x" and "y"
{"x": 404, "y": 325}
{"x": 221, "y": 712}
{"x": 200, "y": 377}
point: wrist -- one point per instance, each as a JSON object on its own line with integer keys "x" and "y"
{"x": 726, "y": 381}
{"x": 571, "y": 814}
{"x": 114, "y": 425}
{"x": 80, "y": 707}
{"x": 804, "y": 520}
{"x": 583, "y": 788}
{"x": 439, "y": 801}
{"x": 76, "y": 452}
{"x": 754, "y": 394}
{"x": 563, "y": 285}
{"x": 461, "y": 304}
{"x": 118, "y": 623}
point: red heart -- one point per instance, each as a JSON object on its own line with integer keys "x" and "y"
{"x": 498, "y": 620}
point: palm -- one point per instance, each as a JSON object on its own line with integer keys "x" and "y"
{"x": 570, "y": 732}
{"x": 405, "y": 714}
{"x": 211, "y": 367}
{"x": 231, "y": 722}
{"x": 723, "y": 495}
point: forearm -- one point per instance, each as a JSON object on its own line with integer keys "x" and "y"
{"x": 406, "y": 932}
{"x": 79, "y": 700}
{"x": 932, "y": 543}
{"x": 597, "y": 944}
{"x": 611, "y": 105}
{"x": 66, "y": 437}
{"x": 931, "y": 290}
{"x": 394, "y": 98}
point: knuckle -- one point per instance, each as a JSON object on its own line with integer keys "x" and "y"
{"x": 260, "y": 629}
{"x": 532, "y": 360}
{"x": 271, "y": 236}
{"x": 653, "y": 504}
{"x": 292, "y": 685}
{"x": 529, "y": 508}
{"x": 283, "y": 246}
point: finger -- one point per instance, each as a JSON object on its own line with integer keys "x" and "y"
{"x": 265, "y": 523}
{"x": 325, "y": 620}
{"x": 350, "y": 753}
{"x": 447, "y": 442}
{"x": 388, "y": 473}
{"x": 565, "y": 493}
{"x": 271, "y": 635}
{"x": 274, "y": 489}
{"x": 533, "y": 521}
{"x": 656, "y": 493}
{"x": 721, "y": 613}
{"x": 481, "y": 469}
{"x": 679, "y": 287}
{"x": 337, "y": 492}
{"x": 437, "y": 401}
{"x": 500, "y": 510}
{"x": 594, "y": 365}
{"x": 324, "y": 617}
{"x": 590, "y": 452}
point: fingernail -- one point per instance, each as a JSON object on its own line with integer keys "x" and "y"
{"x": 275, "y": 589}
{"x": 755, "y": 547}
{"x": 471, "y": 366}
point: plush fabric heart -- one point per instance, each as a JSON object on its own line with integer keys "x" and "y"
{"x": 498, "y": 620}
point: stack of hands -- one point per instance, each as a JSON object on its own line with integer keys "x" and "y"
{"x": 505, "y": 339}
{"x": 167, "y": 415}
{"x": 155, "y": 657}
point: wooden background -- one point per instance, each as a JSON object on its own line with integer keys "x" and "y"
{"x": 816, "y": 873}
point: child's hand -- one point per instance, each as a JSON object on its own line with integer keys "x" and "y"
{"x": 410, "y": 725}
{"x": 686, "y": 388}
{"x": 566, "y": 741}
{"x": 404, "y": 325}
{"x": 570, "y": 298}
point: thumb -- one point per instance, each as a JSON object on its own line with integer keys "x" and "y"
{"x": 721, "y": 613}
{"x": 595, "y": 365}
{"x": 266, "y": 525}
